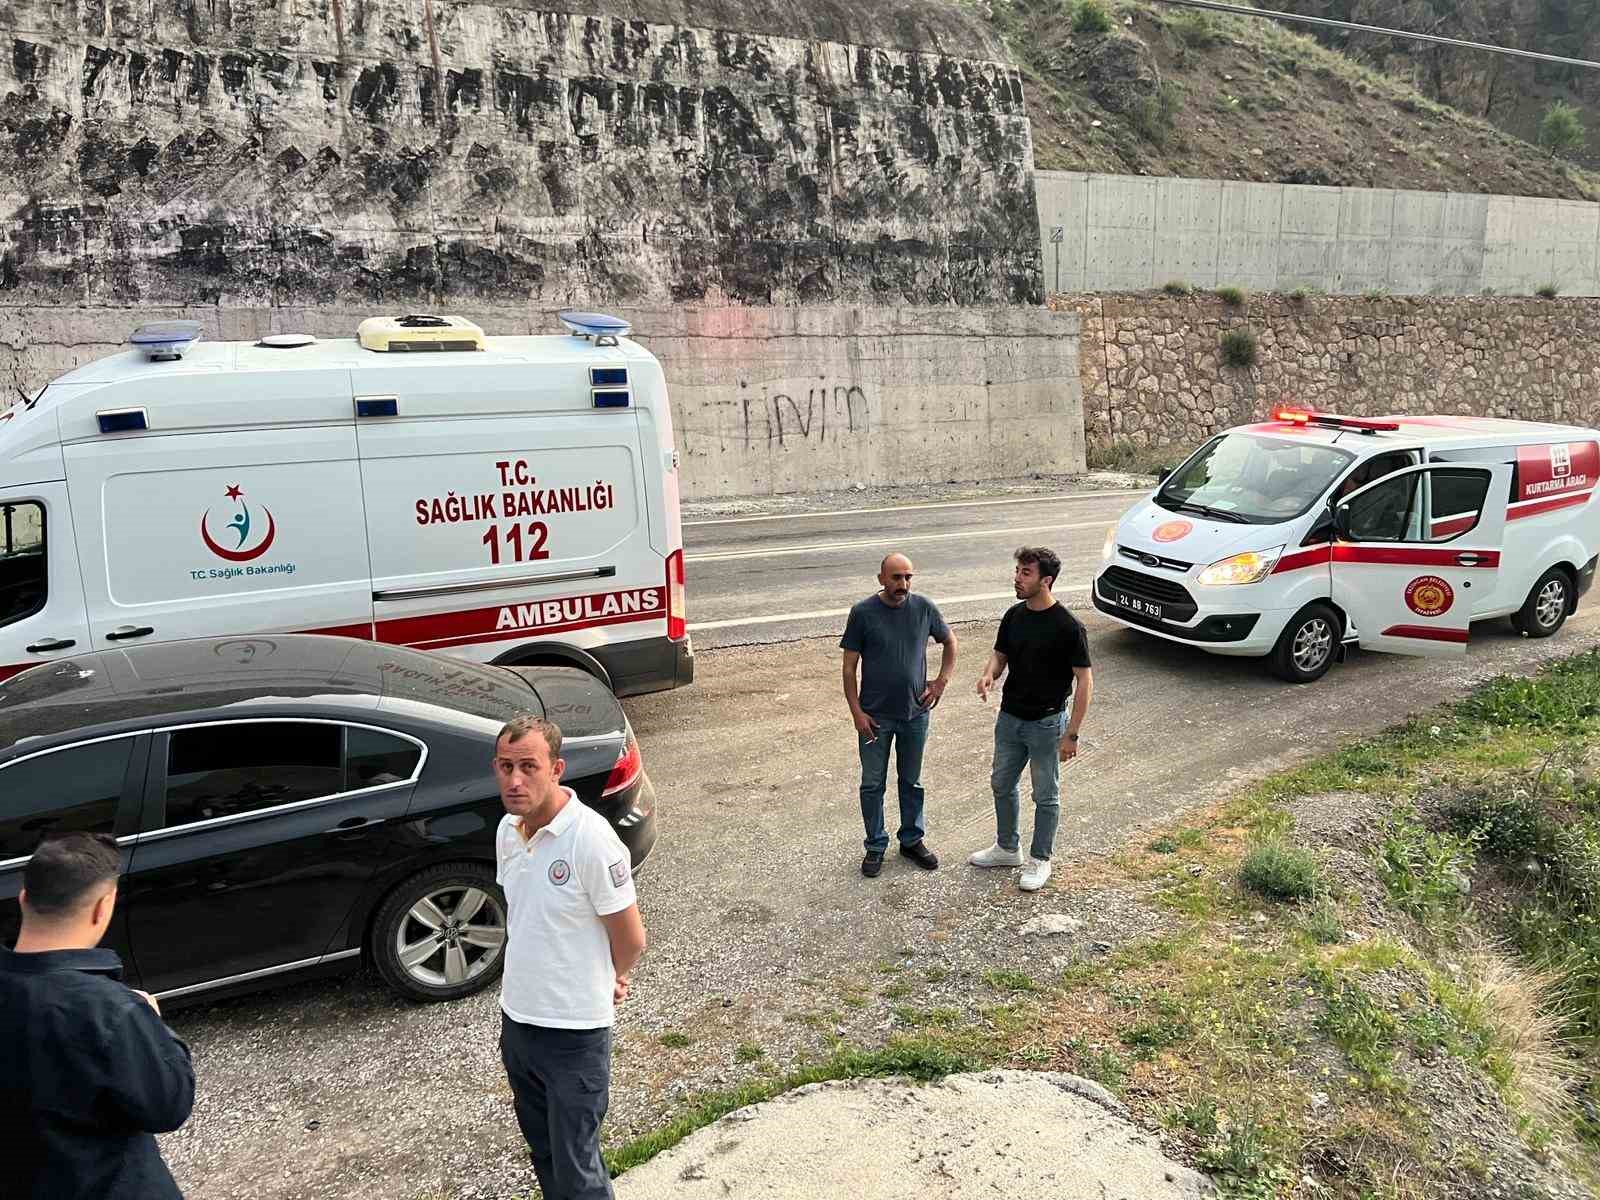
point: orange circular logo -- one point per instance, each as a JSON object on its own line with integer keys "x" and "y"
{"x": 1171, "y": 531}
{"x": 1429, "y": 596}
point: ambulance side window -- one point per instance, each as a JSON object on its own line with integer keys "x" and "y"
{"x": 22, "y": 561}
{"x": 1394, "y": 511}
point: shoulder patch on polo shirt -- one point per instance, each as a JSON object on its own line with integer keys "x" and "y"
{"x": 619, "y": 872}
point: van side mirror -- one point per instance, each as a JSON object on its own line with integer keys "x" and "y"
{"x": 1341, "y": 523}
{"x": 1163, "y": 474}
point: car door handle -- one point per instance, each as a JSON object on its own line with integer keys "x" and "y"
{"x": 1469, "y": 560}
{"x": 129, "y": 631}
{"x": 353, "y": 823}
{"x": 45, "y": 645}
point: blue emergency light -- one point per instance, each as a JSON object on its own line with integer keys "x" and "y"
{"x": 165, "y": 341}
{"x": 610, "y": 397}
{"x": 608, "y": 376}
{"x": 602, "y": 327}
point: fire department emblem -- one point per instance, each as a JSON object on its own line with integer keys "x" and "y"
{"x": 1429, "y": 596}
{"x": 242, "y": 530}
{"x": 560, "y": 872}
{"x": 1172, "y": 531}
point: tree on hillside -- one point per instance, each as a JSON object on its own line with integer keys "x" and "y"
{"x": 1561, "y": 129}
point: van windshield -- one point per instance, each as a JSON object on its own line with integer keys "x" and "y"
{"x": 1261, "y": 481}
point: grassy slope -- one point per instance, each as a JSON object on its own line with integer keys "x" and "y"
{"x": 1411, "y": 1018}
{"x": 1170, "y": 91}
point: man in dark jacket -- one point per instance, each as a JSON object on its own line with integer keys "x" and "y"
{"x": 88, "y": 1070}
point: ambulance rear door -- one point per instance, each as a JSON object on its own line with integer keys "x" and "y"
{"x": 505, "y": 502}
{"x": 1413, "y": 552}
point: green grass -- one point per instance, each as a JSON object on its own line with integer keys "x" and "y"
{"x": 1135, "y": 459}
{"x": 1361, "y": 1027}
{"x": 673, "y": 1040}
{"x": 1280, "y": 871}
{"x": 1423, "y": 868}
{"x": 918, "y": 1058}
{"x": 1176, "y": 287}
{"x": 748, "y": 1052}
{"x": 1239, "y": 348}
{"x": 1091, "y": 17}
{"x": 1233, "y": 297}
{"x": 1010, "y": 981}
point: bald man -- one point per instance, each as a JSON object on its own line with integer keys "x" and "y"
{"x": 886, "y": 637}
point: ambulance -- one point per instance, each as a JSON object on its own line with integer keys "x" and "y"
{"x": 1297, "y": 537}
{"x": 504, "y": 499}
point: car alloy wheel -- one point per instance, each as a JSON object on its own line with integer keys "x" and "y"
{"x": 451, "y": 936}
{"x": 1551, "y": 604}
{"x": 1313, "y": 642}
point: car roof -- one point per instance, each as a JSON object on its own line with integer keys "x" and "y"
{"x": 116, "y": 690}
{"x": 1436, "y": 432}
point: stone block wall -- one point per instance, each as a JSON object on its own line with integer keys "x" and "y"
{"x": 1153, "y": 373}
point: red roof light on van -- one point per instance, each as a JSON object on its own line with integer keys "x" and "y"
{"x": 1308, "y": 416}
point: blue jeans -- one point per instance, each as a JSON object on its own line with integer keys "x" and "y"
{"x": 909, "y": 738}
{"x": 1036, "y": 744}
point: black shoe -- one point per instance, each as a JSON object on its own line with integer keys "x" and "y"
{"x": 919, "y": 853}
{"x": 872, "y": 864}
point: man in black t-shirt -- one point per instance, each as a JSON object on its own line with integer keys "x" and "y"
{"x": 1047, "y": 652}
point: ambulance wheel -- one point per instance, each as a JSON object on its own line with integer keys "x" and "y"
{"x": 1307, "y": 644}
{"x": 441, "y": 934}
{"x": 1546, "y": 608}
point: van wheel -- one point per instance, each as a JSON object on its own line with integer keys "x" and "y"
{"x": 441, "y": 934}
{"x": 1546, "y": 608}
{"x": 1307, "y": 644}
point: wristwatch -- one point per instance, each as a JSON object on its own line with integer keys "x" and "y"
{"x": 1071, "y": 737}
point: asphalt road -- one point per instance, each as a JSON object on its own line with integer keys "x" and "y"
{"x": 759, "y": 579}
{"x": 753, "y": 894}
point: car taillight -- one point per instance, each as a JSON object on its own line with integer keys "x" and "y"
{"x": 625, "y": 773}
{"x": 677, "y": 609}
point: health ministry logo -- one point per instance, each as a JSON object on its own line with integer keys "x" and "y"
{"x": 239, "y": 529}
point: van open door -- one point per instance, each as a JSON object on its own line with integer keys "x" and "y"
{"x": 42, "y": 613}
{"x": 1414, "y": 552}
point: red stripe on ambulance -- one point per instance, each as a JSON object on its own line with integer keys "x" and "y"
{"x": 1426, "y": 633}
{"x": 506, "y": 622}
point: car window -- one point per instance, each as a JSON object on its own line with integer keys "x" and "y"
{"x": 224, "y": 770}
{"x": 1254, "y": 479}
{"x": 22, "y": 561}
{"x": 1392, "y": 511}
{"x": 373, "y": 758}
{"x": 74, "y": 790}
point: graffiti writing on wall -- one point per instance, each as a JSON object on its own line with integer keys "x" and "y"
{"x": 816, "y": 415}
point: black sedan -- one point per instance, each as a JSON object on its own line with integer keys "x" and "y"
{"x": 295, "y": 805}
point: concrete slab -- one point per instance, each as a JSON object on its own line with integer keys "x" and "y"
{"x": 1063, "y": 199}
{"x": 1011, "y": 1133}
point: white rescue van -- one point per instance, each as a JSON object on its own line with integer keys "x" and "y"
{"x": 1297, "y": 536}
{"x": 505, "y": 499}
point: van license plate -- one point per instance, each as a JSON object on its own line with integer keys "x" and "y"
{"x": 1143, "y": 607}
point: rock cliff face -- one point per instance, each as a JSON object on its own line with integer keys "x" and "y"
{"x": 408, "y": 152}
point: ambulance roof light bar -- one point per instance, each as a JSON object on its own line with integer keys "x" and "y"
{"x": 602, "y": 327}
{"x": 1308, "y": 416}
{"x": 165, "y": 341}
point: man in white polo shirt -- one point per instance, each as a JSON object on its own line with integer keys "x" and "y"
{"x": 574, "y": 933}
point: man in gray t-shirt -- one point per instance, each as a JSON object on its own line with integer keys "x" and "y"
{"x": 887, "y": 636}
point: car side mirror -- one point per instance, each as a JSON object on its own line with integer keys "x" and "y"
{"x": 1163, "y": 474}
{"x": 1341, "y": 523}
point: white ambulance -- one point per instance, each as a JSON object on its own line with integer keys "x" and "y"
{"x": 505, "y": 499}
{"x": 1295, "y": 537}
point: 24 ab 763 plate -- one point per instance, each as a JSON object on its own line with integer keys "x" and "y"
{"x": 1133, "y": 604}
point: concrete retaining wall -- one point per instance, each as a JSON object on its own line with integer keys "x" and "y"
{"x": 1123, "y": 233}
{"x": 766, "y": 399}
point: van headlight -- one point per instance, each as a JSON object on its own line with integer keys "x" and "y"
{"x": 1250, "y": 567}
{"x": 1110, "y": 548}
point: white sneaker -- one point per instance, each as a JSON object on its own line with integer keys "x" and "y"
{"x": 1036, "y": 874}
{"x": 994, "y": 856}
